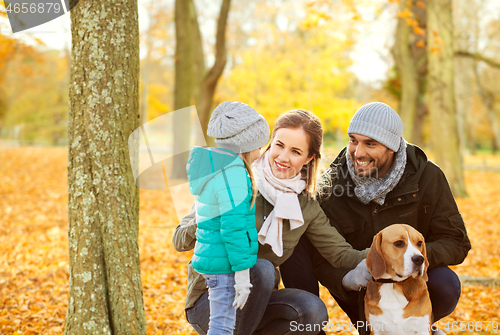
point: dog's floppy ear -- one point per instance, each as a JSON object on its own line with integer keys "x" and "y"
{"x": 426, "y": 263}
{"x": 375, "y": 261}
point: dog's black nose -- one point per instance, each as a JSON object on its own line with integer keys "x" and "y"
{"x": 417, "y": 259}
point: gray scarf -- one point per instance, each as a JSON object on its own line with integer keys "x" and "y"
{"x": 375, "y": 189}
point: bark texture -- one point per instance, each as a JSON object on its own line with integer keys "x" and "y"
{"x": 104, "y": 278}
{"x": 441, "y": 93}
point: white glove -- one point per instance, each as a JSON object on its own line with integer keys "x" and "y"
{"x": 242, "y": 287}
{"x": 357, "y": 278}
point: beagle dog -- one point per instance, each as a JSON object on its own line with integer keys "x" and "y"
{"x": 397, "y": 300}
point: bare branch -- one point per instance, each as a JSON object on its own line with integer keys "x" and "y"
{"x": 478, "y": 57}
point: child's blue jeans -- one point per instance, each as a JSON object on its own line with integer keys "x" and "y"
{"x": 221, "y": 296}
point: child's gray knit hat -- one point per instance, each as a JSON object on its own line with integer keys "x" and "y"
{"x": 238, "y": 127}
{"x": 379, "y": 122}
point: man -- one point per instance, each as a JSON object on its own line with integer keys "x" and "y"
{"x": 376, "y": 181}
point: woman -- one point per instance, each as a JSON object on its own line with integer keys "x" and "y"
{"x": 286, "y": 177}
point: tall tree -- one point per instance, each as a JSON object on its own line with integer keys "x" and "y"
{"x": 475, "y": 40}
{"x": 410, "y": 56}
{"x": 184, "y": 81}
{"x": 211, "y": 78}
{"x": 103, "y": 200}
{"x": 489, "y": 100}
{"x": 441, "y": 93}
{"x": 467, "y": 31}
{"x": 407, "y": 72}
{"x": 193, "y": 84}
{"x": 199, "y": 66}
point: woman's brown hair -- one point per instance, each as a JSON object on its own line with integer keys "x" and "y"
{"x": 311, "y": 124}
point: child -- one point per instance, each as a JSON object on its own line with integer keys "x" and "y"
{"x": 222, "y": 182}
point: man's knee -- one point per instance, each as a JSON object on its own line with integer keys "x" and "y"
{"x": 444, "y": 282}
{"x": 444, "y": 290}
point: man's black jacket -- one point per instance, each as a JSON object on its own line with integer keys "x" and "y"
{"x": 422, "y": 199}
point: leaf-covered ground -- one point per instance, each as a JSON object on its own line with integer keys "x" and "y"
{"x": 34, "y": 255}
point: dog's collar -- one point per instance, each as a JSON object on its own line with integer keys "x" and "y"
{"x": 387, "y": 281}
{"x": 384, "y": 281}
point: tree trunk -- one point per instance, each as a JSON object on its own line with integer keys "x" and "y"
{"x": 407, "y": 73}
{"x": 488, "y": 98}
{"x": 441, "y": 94}
{"x": 471, "y": 141}
{"x": 410, "y": 56}
{"x": 421, "y": 114}
{"x": 3, "y": 108}
{"x": 184, "y": 82}
{"x": 463, "y": 94}
{"x": 419, "y": 53}
{"x": 467, "y": 36}
{"x": 210, "y": 80}
{"x": 199, "y": 66}
{"x": 105, "y": 290}
{"x": 191, "y": 73}
{"x": 493, "y": 119}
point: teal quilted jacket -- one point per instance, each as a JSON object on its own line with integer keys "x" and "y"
{"x": 226, "y": 238}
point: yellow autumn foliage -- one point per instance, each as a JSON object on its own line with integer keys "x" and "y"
{"x": 307, "y": 69}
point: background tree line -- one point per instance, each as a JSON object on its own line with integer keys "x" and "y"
{"x": 279, "y": 55}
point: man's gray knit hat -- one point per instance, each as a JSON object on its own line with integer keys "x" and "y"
{"x": 238, "y": 127}
{"x": 379, "y": 122}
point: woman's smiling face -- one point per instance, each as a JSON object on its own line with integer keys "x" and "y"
{"x": 289, "y": 152}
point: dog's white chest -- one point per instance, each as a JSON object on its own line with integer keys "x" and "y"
{"x": 391, "y": 321}
{"x": 392, "y": 303}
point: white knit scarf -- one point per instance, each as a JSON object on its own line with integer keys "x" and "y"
{"x": 282, "y": 194}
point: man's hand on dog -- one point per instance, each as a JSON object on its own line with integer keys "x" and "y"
{"x": 357, "y": 278}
